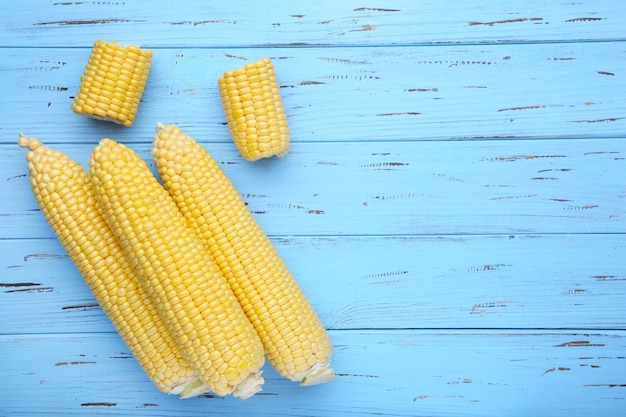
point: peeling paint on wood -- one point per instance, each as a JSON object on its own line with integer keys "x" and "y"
{"x": 81, "y": 306}
{"x": 500, "y": 22}
{"x": 85, "y": 22}
{"x": 579, "y": 343}
{"x": 585, "y": 19}
{"x": 73, "y": 363}
{"x": 361, "y": 9}
{"x": 559, "y": 369}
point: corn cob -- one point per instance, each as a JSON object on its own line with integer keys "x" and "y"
{"x": 187, "y": 287}
{"x": 113, "y": 82}
{"x": 295, "y": 342}
{"x": 63, "y": 191}
{"x": 254, "y": 110}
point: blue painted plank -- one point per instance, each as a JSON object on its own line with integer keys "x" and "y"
{"x": 345, "y": 94}
{"x": 402, "y": 282}
{"x": 388, "y": 373}
{"x": 398, "y": 188}
{"x": 326, "y": 22}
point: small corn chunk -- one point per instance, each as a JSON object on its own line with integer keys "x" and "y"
{"x": 254, "y": 110}
{"x": 113, "y": 82}
{"x": 63, "y": 191}
{"x": 181, "y": 277}
{"x": 295, "y": 341}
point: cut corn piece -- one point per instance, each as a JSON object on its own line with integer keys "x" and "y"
{"x": 182, "y": 279}
{"x": 113, "y": 82}
{"x": 295, "y": 341}
{"x": 63, "y": 191}
{"x": 254, "y": 110}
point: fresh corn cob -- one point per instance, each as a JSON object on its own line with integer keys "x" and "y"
{"x": 254, "y": 110}
{"x": 181, "y": 277}
{"x": 63, "y": 192}
{"x": 295, "y": 341}
{"x": 113, "y": 82}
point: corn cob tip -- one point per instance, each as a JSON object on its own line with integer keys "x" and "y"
{"x": 161, "y": 128}
{"x": 106, "y": 141}
{"x": 26, "y": 142}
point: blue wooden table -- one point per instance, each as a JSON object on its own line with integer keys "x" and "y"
{"x": 453, "y": 206}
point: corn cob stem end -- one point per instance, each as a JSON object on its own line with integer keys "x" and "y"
{"x": 244, "y": 390}
{"x": 249, "y": 386}
{"x": 319, "y": 374}
{"x": 191, "y": 389}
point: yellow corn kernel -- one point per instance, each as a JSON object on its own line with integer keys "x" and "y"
{"x": 63, "y": 191}
{"x": 113, "y": 82}
{"x": 295, "y": 341}
{"x": 250, "y": 95}
{"x": 182, "y": 279}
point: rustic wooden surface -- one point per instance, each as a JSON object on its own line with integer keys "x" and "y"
{"x": 454, "y": 205}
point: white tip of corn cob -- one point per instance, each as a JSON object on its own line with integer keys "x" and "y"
{"x": 249, "y": 386}
{"x": 318, "y": 374}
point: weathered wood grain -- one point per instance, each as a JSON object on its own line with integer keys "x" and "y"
{"x": 453, "y": 205}
{"x": 398, "y": 188}
{"x": 323, "y": 23}
{"x": 403, "y": 282}
{"x": 345, "y": 94}
{"x": 451, "y": 373}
